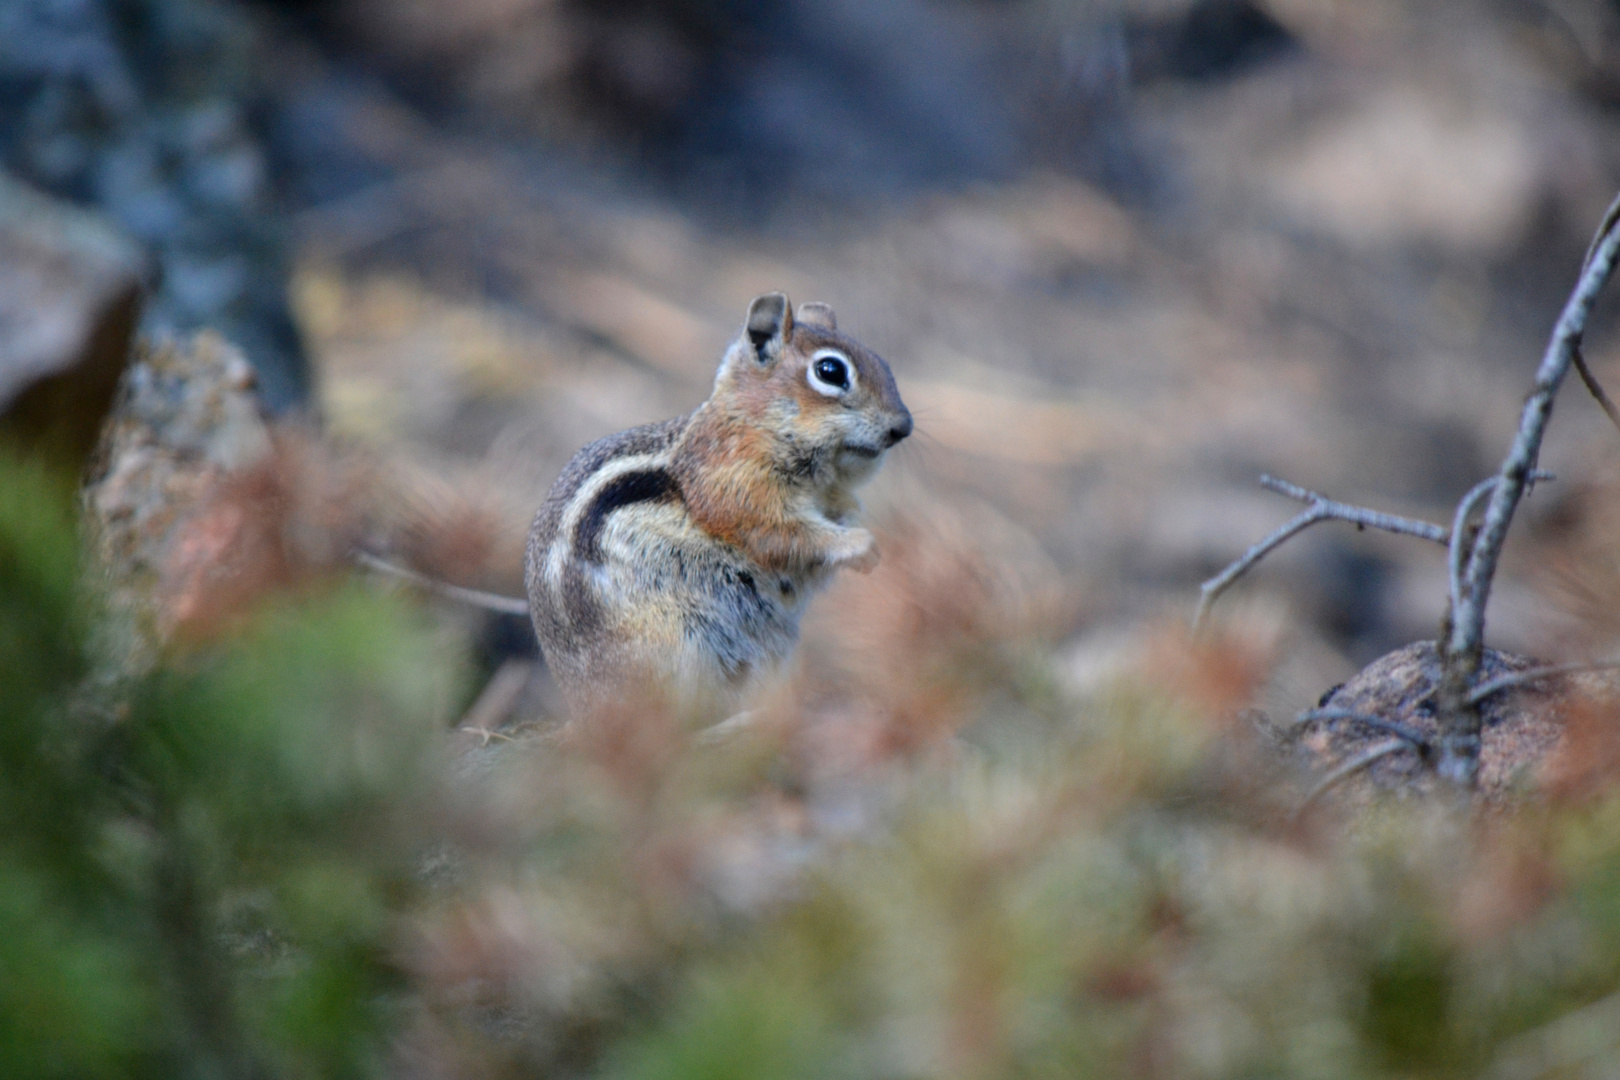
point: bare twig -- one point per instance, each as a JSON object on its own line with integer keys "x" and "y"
{"x": 731, "y": 725}
{"x": 1321, "y": 508}
{"x": 1218, "y": 584}
{"x": 1530, "y": 675}
{"x": 1458, "y": 547}
{"x": 1595, "y": 388}
{"x": 506, "y": 605}
{"x": 1457, "y": 550}
{"x": 1356, "y": 515}
{"x": 1611, "y": 218}
{"x": 497, "y": 699}
{"x": 1416, "y": 738}
{"x": 1464, "y": 644}
{"x": 1361, "y": 761}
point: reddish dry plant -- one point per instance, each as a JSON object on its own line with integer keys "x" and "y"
{"x": 285, "y": 523}
{"x": 457, "y": 531}
{"x": 1217, "y": 673}
{"x": 896, "y": 661}
{"x": 293, "y": 520}
{"x": 633, "y": 744}
{"x": 1586, "y": 764}
{"x": 198, "y": 508}
{"x": 487, "y": 940}
{"x": 1579, "y": 564}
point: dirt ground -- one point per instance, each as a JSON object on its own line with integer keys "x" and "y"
{"x": 1343, "y": 275}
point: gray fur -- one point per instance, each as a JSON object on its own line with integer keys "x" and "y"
{"x": 578, "y": 605}
{"x": 730, "y": 617}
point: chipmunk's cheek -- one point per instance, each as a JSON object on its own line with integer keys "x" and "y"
{"x": 814, "y": 429}
{"x": 782, "y": 413}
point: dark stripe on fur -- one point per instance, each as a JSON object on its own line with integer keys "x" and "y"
{"x": 649, "y": 485}
{"x": 584, "y": 611}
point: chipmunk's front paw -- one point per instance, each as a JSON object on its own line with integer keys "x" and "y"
{"x": 855, "y": 550}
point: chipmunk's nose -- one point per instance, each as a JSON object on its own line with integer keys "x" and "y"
{"x": 901, "y": 429}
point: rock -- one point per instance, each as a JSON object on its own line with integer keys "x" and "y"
{"x": 187, "y": 422}
{"x": 69, "y": 295}
{"x": 145, "y": 111}
{"x": 1522, "y": 726}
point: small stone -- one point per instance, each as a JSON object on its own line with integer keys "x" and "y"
{"x": 1522, "y": 726}
{"x": 69, "y": 291}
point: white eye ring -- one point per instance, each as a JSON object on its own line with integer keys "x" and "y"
{"x": 829, "y": 387}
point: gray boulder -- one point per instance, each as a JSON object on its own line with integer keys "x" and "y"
{"x": 70, "y": 285}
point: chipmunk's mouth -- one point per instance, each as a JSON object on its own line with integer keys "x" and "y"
{"x": 868, "y": 452}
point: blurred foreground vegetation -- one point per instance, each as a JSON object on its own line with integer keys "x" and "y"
{"x": 201, "y": 873}
{"x": 263, "y": 860}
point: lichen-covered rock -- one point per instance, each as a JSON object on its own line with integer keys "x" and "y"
{"x": 201, "y": 506}
{"x": 169, "y": 540}
{"x": 1522, "y": 726}
{"x": 69, "y": 288}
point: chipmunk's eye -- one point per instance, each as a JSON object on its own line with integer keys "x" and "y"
{"x": 830, "y": 373}
{"x": 833, "y": 372}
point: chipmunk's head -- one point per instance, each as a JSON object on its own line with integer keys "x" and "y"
{"x": 830, "y": 401}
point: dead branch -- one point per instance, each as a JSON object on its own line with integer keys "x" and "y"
{"x": 1361, "y": 761}
{"x": 1417, "y": 739}
{"x": 1524, "y": 678}
{"x": 1463, "y": 645}
{"x": 505, "y": 605}
{"x": 1457, "y": 549}
{"x": 1356, "y": 515}
{"x": 1321, "y": 508}
{"x": 1611, "y": 218}
{"x": 1595, "y": 388}
{"x": 497, "y": 699}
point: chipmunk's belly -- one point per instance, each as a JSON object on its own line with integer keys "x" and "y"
{"x": 696, "y": 609}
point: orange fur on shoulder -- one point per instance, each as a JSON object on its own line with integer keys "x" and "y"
{"x": 727, "y": 477}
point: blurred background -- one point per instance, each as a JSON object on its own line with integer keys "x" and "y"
{"x": 1123, "y": 257}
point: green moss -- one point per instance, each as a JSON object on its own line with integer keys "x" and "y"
{"x": 202, "y": 873}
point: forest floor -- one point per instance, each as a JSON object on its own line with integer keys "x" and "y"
{"x": 1345, "y": 279}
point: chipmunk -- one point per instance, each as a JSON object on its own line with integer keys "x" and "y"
{"x": 677, "y": 557}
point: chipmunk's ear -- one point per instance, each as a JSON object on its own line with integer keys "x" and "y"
{"x": 817, "y": 314}
{"x": 770, "y": 323}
